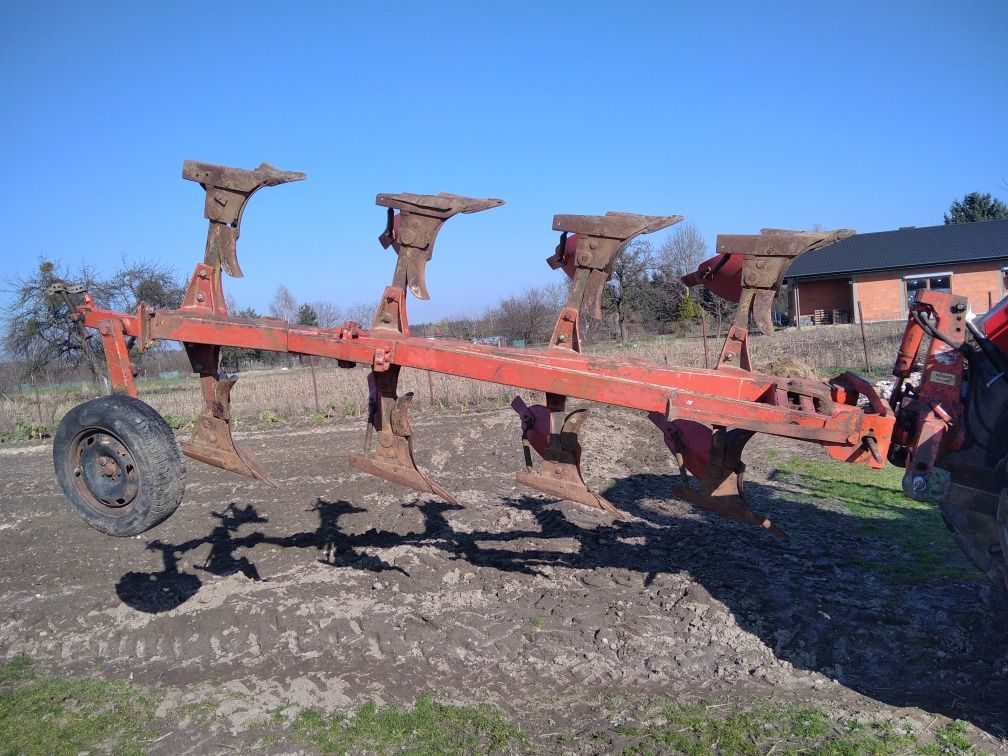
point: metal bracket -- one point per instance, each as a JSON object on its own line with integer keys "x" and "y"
{"x": 388, "y": 446}
{"x": 227, "y": 192}
{"x": 553, "y": 433}
{"x": 211, "y": 440}
{"x": 411, "y": 232}
{"x": 589, "y": 246}
{"x": 766, "y": 258}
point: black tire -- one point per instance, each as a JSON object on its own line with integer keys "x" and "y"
{"x": 119, "y": 465}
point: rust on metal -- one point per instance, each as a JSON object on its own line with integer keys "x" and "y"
{"x": 227, "y": 192}
{"x": 552, "y": 433}
{"x": 211, "y": 440}
{"x": 766, "y": 257}
{"x": 388, "y": 445}
{"x": 412, "y": 226}
{"x": 720, "y": 488}
{"x": 705, "y": 415}
{"x": 588, "y": 249}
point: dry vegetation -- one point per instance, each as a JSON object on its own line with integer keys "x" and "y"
{"x": 275, "y": 394}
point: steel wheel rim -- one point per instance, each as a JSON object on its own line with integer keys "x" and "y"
{"x": 104, "y": 472}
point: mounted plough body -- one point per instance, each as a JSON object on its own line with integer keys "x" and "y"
{"x": 705, "y": 416}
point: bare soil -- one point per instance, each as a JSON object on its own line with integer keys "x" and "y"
{"x": 339, "y": 588}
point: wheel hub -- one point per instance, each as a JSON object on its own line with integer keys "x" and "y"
{"x": 105, "y": 472}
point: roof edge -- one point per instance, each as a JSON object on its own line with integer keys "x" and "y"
{"x": 842, "y": 273}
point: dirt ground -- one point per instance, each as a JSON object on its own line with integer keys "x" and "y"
{"x": 339, "y": 588}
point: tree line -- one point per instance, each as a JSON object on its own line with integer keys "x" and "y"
{"x": 645, "y": 296}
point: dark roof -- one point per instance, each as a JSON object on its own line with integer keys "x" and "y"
{"x": 956, "y": 243}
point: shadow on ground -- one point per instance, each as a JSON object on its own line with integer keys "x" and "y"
{"x": 817, "y": 599}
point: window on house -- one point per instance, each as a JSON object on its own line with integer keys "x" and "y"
{"x": 916, "y": 284}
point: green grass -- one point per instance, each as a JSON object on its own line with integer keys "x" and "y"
{"x": 26, "y": 431}
{"x": 875, "y": 498}
{"x": 698, "y": 729}
{"x": 58, "y": 715}
{"x": 268, "y": 417}
{"x": 174, "y": 421}
{"x": 427, "y": 728}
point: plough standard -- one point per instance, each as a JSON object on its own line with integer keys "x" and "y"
{"x": 119, "y": 464}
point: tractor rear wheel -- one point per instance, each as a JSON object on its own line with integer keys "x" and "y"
{"x": 973, "y": 518}
{"x": 119, "y": 465}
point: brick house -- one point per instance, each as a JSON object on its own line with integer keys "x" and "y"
{"x": 884, "y": 271}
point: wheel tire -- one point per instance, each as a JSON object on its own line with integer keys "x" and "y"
{"x": 119, "y": 465}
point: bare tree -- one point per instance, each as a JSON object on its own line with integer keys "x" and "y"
{"x": 627, "y": 293}
{"x": 361, "y": 313}
{"x": 147, "y": 281}
{"x": 681, "y": 252}
{"x": 284, "y": 306}
{"x": 329, "y": 314}
{"x": 530, "y": 316}
{"x": 37, "y": 330}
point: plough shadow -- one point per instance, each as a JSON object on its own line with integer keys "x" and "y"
{"x": 162, "y": 591}
{"x": 815, "y": 604}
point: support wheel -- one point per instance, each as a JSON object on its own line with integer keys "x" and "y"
{"x": 119, "y": 465}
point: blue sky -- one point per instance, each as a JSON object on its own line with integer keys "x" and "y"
{"x": 737, "y": 115}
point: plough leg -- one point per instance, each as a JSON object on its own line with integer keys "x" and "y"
{"x": 388, "y": 446}
{"x": 554, "y": 435}
{"x": 212, "y": 441}
{"x": 717, "y": 457}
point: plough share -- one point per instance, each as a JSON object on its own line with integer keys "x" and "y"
{"x": 113, "y": 454}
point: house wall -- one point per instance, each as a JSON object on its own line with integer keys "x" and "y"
{"x": 975, "y": 281}
{"x": 833, "y": 294}
{"x": 883, "y": 295}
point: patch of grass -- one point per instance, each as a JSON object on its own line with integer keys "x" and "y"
{"x": 268, "y": 417}
{"x": 26, "y": 431}
{"x": 174, "y": 421}
{"x": 203, "y": 713}
{"x": 876, "y": 498}
{"x": 951, "y": 738}
{"x": 346, "y": 408}
{"x": 537, "y": 622}
{"x": 427, "y": 728}
{"x": 57, "y": 715}
{"x": 695, "y": 729}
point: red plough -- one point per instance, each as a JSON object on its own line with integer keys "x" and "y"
{"x": 705, "y": 416}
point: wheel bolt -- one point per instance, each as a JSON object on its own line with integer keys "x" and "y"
{"x": 103, "y": 461}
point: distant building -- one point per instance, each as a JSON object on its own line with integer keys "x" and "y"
{"x": 490, "y": 340}
{"x": 884, "y": 271}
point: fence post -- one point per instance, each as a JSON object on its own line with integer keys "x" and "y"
{"x": 706, "y": 354}
{"x": 864, "y": 340}
{"x": 430, "y": 387}
{"x": 38, "y": 399}
{"x": 314, "y": 384}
